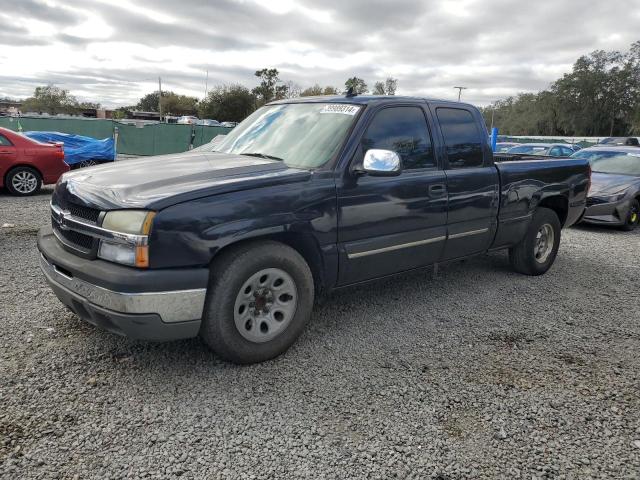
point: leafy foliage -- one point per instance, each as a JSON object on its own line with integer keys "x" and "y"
{"x": 317, "y": 90}
{"x": 600, "y": 96}
{"x": 388, "y": 87}
{"x": 227, "y": 103}
{"x": 268, "y": 90}
{"x": 54, "y": 100}
{"x": 359, "y": 85}
{"x": 172, "y": 103}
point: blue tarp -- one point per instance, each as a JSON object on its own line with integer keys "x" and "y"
{"x": 78, "y": 148}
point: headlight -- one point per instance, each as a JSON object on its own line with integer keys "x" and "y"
{"x": 135, "y": 222}
{"x": 611, "y": 198}
{"x": 131, "y": 230}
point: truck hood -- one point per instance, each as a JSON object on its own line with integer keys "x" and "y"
{"x": 160, "y": 181}
{"x": 603, "y": 184}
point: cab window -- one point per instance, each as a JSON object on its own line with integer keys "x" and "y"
{"x": 403, "y": 130}
{"x": 461, "y": 137}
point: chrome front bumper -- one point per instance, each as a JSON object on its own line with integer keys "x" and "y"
{"x": 172, "y": 306}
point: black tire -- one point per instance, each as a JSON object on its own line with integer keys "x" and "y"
{"x": 525, "y": 257}
{"x": 31, "y": 184}
{"x": 633, "y": 217}
{"x": 229, "y": 275}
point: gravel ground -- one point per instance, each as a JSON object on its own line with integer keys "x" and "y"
{"x": 476, "y": 372}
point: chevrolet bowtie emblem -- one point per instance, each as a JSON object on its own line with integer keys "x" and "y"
{"x": 62, "y": 221}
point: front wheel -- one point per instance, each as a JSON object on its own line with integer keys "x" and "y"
{"x": 537, "y": 251}
{"x": 259, "y": 301}
{"x": 23, "y": 181}
{"x": 633, "y": 217}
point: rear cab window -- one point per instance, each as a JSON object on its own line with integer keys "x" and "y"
{"x": 5, "y": 142}
{"x": 462, "y": 139}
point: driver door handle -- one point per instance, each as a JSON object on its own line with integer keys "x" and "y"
{"x": 437, "y": 190}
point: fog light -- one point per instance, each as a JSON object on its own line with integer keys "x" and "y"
{"x": 117, "y": 252}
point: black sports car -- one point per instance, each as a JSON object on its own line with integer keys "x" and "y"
{"x": 614, "y": 197}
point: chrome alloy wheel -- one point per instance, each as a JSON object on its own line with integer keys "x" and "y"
{"x": 24, "y": 182}
{"x": 265, "y": 305}
{"x": 544, "y": 243}
{"x": 634, "y": 215}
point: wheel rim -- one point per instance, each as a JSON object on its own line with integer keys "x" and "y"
{"x": 24, "y": 182}
{"x": 88, "y": 163}
{"x": 544, "y": 243}
{"x": 634, "y": 216}
{"x": 265, "y": 305}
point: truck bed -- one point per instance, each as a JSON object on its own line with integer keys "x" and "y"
{"x": 529, "y": 182}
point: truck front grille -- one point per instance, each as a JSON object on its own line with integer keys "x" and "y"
{"x": 83, "y": 212}
{"x": 74, "y": 239}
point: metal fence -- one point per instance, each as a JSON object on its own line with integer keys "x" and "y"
{"x": 141, "y": 139}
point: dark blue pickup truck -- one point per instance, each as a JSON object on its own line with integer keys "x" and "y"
{"x": 304, "y": 196}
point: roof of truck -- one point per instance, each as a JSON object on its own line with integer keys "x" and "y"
{"x": 365, "y": 99}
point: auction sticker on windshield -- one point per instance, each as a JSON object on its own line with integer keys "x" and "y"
{"x": 340, "y": 108}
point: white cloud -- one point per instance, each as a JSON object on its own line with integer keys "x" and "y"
{"x": 113, "y": 52}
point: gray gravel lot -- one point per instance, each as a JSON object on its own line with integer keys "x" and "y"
{"x": 477, "y": 372}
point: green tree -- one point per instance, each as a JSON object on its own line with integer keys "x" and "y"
{"x": 359, "y": 85}
{"x": 388, "y": 87}
{"x": 172, "y": 103}
{"x": 149, "y": 102}
{"x": 317, "y": 90}
{"x": 600, "y": 96}
{"x": 267, "y": 90}
{"x": 52, "y": 100}
{"x": 227, "y": 103}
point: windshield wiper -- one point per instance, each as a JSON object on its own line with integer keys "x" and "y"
{"x": 263, "y": 155}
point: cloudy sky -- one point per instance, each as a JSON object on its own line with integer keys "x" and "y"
{"x": 112, "y": 52}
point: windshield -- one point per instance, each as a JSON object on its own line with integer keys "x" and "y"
{"x": 620, "y": 163}
{"x": 305, "y": 135}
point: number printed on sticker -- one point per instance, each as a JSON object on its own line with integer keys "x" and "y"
{"x": 340, "y": 108}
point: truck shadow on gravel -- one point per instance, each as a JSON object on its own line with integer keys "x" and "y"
{"x": 409, "y": 302}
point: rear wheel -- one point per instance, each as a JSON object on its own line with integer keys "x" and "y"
{"x": 258, "y": 302}
{"x": 537, "y": 251}
{"x": 633, "y": 217}
{"x": 23, "y": 181}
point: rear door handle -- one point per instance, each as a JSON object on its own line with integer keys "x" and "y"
{"x": 437, "y": 190}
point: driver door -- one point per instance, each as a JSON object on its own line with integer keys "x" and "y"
{"x": 392, "y": 224}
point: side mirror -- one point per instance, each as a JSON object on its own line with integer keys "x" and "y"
{"x": 381, "y": 163}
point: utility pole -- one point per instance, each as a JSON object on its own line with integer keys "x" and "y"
{"x": 160, "y": 97}
{"x": 206, "y": 86}
{"x": 460, "y": 91}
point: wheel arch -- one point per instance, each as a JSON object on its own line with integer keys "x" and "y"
{"x": 304, "y": 244}
{"x": 559, "y": 204}
{"x": 18, "y": 165}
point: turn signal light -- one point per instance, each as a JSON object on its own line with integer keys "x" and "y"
{"x": 142, "y": 256}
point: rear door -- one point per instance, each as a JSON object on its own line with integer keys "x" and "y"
{"x": 472, "y": 181}
{"x": 391, "y": 224}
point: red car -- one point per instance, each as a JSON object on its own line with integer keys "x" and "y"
{"x": 25, "y": 165}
